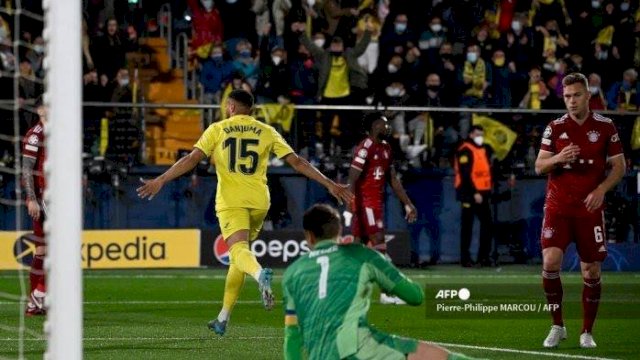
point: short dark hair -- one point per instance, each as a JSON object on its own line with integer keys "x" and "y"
{"x": 369, "y": 118}
{"x": 323, "y": 221}
{"x": 575, "y": 78}
{"x": 243, "y": 97}
{"x": 476, "y": 127}
{"x": 337, "y": 40}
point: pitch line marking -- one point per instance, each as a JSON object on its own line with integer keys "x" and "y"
{"x": 154, "y": 302}
{"x": 463, "y": 346}
{"x": 527, "y": 352}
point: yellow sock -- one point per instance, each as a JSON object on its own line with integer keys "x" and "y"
{"x": 244, "y": 259}
{"x": 232, "y": 286}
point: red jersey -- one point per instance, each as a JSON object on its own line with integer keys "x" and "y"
{"x": 598, "y": 141}
{"x": 33, "y": 147}
{"x": 374, "y": 160}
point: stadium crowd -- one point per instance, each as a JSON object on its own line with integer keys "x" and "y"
{"x": 456, "y": 53}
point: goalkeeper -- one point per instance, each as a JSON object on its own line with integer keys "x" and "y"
{"x": 327, "y": 295}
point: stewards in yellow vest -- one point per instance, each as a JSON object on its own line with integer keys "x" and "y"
{"x": 473, "y": 187}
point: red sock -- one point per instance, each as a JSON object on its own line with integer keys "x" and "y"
{"x": 553, "y": 291}
{"x": 590, "y": 300}
{"x": 36, "y": 274}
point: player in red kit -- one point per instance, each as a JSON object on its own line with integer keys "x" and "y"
{"x": 371, "y": 168}
{"x": 576, "y": 151}
{"x": 33, "y": 157}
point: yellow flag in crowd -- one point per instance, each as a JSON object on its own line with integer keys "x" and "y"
{"x": 277, "y": 114}
{"x": 635, "y": 135}
{"x": 496, "y": 134}
{"x": 605, "y": 36}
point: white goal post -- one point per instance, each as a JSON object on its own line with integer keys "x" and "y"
{"x": 63, "y": 171}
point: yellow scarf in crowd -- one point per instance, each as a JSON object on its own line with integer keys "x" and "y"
{"x": 477, "y": 75}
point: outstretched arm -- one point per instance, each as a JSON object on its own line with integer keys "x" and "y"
{"x": 340, "y": 192}
{"x": 185, "y": 164}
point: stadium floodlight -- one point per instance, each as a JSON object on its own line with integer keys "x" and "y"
{"x": 63, "y": 172}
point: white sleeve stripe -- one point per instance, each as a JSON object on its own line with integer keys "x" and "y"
{"x": 29, "y": 156}
{"x": 355, "y": 167}
{"x": 359, "y": 160}
{"x": 31, "y": 147}
{"x": 547, "y": 151}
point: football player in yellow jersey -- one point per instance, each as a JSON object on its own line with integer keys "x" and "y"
{"x": 240, "y": 147}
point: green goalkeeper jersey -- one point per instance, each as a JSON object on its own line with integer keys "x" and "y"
{"x": 327, "y": 292}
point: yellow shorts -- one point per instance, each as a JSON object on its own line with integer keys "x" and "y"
{"x": 236, "y": 219}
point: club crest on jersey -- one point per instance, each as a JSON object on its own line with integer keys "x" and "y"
{"x": 547, "y": 132}
{"x": 593, "y": 136}
{"x": 547, "y": 232}
{"x": 378, "y": 173}
{"x": 33, "y": 140}
{"x": 363, "y": 153}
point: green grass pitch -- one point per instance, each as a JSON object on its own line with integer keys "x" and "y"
{"x": 162, "y": 314}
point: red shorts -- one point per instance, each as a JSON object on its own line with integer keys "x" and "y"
{"x": 367, "y": 221}
{"x": 585, "y": 229}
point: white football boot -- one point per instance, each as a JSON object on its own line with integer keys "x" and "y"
{"x": 586, "y": 341}
{"x": 556, "y": 334}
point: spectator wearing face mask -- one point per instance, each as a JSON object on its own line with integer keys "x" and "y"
{"x": 215, "y": 72}
{"x": 597, "y": 100}
{"x": 338, "y": 73}
{"x": 473, "y": 183}
{"x": 274, "y": 71}
{"x": 560, "y": 69}
{"x": 36, "y": 56}
{"x": 517, "y": 42}
{"x": 625, "y": 94}
{"x": 123, "y": 92}
{"x": 245, "y": 64}
{"x": 304, "y": 76}
{"x": 207, "y": 27}
{"x": 601, "y": 57}
{"x": 395, "y": 94}
{"x": 501, "y": 77}
{"x": 475, "y": 78}
{"x": 395, "y": 38}
{"x": 387, "y": 73}
{"x": 432, "y": 38}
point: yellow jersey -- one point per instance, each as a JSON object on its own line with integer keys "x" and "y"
{"x": 241, "y": 146}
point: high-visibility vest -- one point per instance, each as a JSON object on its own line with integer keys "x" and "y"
{"x": 480, "y": 171}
